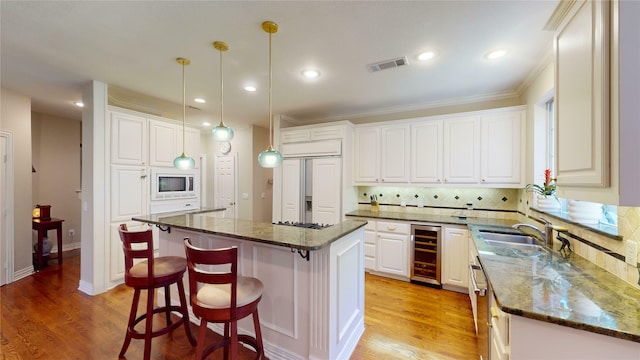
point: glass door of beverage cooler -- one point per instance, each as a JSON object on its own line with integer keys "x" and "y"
{"x": 425, "y": 254}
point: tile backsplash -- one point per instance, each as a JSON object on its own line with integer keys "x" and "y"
{"x": 458, "y": 198}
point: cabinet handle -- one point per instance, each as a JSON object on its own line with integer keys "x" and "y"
{"x": 445, "y": 180}
{"x": 391, "y": 227}
{"x": 143, "y": 176}
{"x": 483, "y": 180}
{"x": 494, "y": 313}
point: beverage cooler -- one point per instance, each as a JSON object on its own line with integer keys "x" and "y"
{"x": 425, "y": 254}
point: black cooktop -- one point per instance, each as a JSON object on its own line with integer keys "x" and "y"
{"x": 314, "y": 226}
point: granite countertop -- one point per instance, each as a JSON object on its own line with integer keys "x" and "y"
{"x": 280, "y": 235}
{"x": 427, "y": 218}
{"x": 568, "y": 291}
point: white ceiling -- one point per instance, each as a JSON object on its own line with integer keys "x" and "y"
{"x": 50, "y": 49}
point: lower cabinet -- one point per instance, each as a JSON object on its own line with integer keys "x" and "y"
{"x": 393, "y": 248}
{"x": 498, "y": 331}
{"x": 455, "y": 258}
{"x": 370, "y": 246}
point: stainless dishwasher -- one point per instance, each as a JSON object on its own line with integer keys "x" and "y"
{"x": 482, "y": 290}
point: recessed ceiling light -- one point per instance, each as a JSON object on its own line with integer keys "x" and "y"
{"x": 250, "y": 88}
{"x": 496, "y": 54}
{"x": 310, "y": 73}
{"x": 200, "y": 100}
{"x": 206, "y": 124}
{"x": 79, "y": 104}
{"x": 427, "y": 55}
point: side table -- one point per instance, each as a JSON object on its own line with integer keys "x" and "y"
{"x": 42, "y": 227}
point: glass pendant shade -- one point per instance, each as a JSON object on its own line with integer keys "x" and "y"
{"x": 184, "y": 162}
{"x": 222, "y": 133}
{"x": 270, "y": 158}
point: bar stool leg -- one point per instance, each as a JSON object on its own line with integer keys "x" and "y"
{"x": 256, "y": 326}
{"x": 132, "y": 318}
{"x": 149, "y": 324}
{"x": 185, "y": 313}
{"x": 167, "y": 304}
{"x": 202, "y": 334}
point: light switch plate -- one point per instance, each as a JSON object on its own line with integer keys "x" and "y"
{"x": 631, "y": 252}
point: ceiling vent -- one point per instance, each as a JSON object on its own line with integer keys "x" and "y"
{"x": 388, "y": 64}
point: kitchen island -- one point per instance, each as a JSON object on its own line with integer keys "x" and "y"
{"x": 312, "y": 306}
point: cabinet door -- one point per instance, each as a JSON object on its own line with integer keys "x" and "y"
{"x": 395, "y": 148}
{"x": 367, "y": 156}
{"x": 392, "y": 254}
{"x": 128, "y": 139}
{"x": 582, "y": 96}
{"x": 129, "y": 189}
{"x": 291, "y": 187}
{"x": 501, "y": 148}
{"x": 426, "y": 152}
{"x": 455, "y": 253}
{"x": 326, "y": 190}
{"x": 163, "y": 147}
{"x": 461, "y": 151}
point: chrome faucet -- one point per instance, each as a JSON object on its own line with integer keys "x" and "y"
{"x": 547, "y": 234}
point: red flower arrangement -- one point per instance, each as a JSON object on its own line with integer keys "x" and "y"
{"x": 546, "y": 189}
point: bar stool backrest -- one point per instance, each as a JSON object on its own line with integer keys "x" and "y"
{"x": 137, "y": 245}
{"x": 204, "y": 267}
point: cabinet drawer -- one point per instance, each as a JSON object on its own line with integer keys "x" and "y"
{"x": 370, "y": 237}
{"x": 371, "y": 225}
{"x": 370, "y": 263}
{"x": 370, "y": 250}
{"x": 294, "y": 136}
{"x": 392, "y": 227}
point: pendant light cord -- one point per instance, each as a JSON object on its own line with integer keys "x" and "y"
{"x": 184, "y": 109}
{"x": 270, "y": 86}
{"x": 221, "y": 91}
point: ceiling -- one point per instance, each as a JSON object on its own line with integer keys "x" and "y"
{"x": 51, "y": 49}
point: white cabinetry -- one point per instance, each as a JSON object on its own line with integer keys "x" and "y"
{"x": 501, "y": 153}
{"x": 426, "y": 152}
{"x": 326, "y": 192}
{"x": 129, "y": 189}
{"x": 499, "y": 332}
{"x": 128, "y": 139}
{"x": 393, "y": 248}
{"x": 461, "y": 150}
{"x": 165, "y": 142}
{"x": 455, "y": 255}
{"x": 291, "y": 194}
{"x": 370, "y": 246}
{"x": 582, "y": 93}
{"x": 367, "y": 155}
{"x": 395, "y": 148}
{"x": 382, "y": 154}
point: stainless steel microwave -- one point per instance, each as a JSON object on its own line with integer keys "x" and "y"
{"x": 168, "y": 185}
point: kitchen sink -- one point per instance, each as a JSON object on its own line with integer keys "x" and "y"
{"x": 523, "y": 242}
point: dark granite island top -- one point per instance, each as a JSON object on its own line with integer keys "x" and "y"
{"x": 280, "y": 235}
{"x": 567, "y": 291}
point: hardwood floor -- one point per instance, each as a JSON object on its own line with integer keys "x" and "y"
{"x": 44, "y": 316}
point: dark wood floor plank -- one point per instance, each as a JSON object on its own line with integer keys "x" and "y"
{"x": 44, "y": 316}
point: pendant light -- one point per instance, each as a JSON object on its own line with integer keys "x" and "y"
{"x": 270, "y": 158}
{"x": 221, "y": 132}
{"x": 183, "y": 162}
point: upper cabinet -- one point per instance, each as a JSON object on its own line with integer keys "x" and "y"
{"x": 501, "y": 148}
{"x": 367, "y": 155}
{"x": 483, "y": 148}
{"x": 461, "y": 150}
{"x": 382, "y": 154}
{"x": 128, "y": 139}
{"x": 165, "y": 143}
{"x": 582, "y": 93}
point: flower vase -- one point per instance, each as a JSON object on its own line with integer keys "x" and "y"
{"x": 548, "y": 203}
{"x": 584, "y": 212}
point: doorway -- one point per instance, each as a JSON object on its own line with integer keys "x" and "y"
{"x": 225, "y": 185}
{"x": 6, "y": 206}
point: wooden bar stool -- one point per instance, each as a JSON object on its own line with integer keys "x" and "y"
{"x": 219, "y": 295}
{"x": 149, "y": 274}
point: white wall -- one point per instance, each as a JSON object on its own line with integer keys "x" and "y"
{"x": 15, "y": 117}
